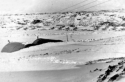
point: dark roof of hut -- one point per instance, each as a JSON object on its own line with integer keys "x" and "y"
{"x": 12, "y": 47}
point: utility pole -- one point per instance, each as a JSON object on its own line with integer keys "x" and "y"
{"x": 67, "y": 38}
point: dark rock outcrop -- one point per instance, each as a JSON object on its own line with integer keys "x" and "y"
{"x": 113, "y": 73}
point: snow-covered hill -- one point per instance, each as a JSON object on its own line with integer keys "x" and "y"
{"x": 94, "y": 20}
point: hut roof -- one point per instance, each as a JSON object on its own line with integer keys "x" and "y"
{"x": 12, "y": 47}
{"x": 42, "y": 41}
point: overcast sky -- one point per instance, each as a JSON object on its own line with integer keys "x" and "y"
{"x": 19, "y": 6}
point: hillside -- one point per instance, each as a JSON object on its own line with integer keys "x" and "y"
{"x": 90, "y": 21}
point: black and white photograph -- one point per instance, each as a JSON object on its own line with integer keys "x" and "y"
{"x": 62, "y": 40}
